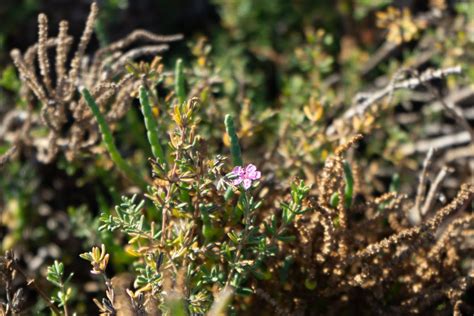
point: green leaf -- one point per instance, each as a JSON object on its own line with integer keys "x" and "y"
{"x": 244, "y": 291}
{"x": 55, "y": 273}
{"x": 233, "y": 237}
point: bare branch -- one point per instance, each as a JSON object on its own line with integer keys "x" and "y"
{"x": 435, "y": 186}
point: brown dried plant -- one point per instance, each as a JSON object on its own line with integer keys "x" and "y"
{"x": 341, "y": 254}
{"x": 70, "y": 125}
{"x": 11, "y": 276}
{"x": 370, "y": 252}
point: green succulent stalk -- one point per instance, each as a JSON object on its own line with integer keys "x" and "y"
{"x": 179, "y": 81}
{"x": 234, "y": 141}
{"x": 235, "y": 151}
{"x": 108, "y": 140}
{"x": 349, "y": 188}
{"x": 151, "y": 126}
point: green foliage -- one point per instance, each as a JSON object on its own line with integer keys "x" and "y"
{"x": 299, "y": 191}
{"x": 9, "y": 80}
{"x": 56, "y": 276}
{"x": 129, "y": 218}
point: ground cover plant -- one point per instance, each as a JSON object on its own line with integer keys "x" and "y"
{"x": 299, "y": 159}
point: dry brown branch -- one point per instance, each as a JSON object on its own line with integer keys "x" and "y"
{"x": 459, "y": 153}
{"x": 457, "y": 308}
{"x": 134, "y": 37}
{"x": 415, "y": 212}
{"x": 363, "y": 101}
{"x": 388, "y": 47}
{"x": 455, "y": 96}
{"x": 452, "y": 109}
{"x": 433, "y": 294}
{"x": 62, "y": 49}
{"x": 85, "y": 38}
{"x": 435, "y": 186}
{"x": 382, "y": 52}
{"x": 464, "y": 196}
{"x": 221, "y": 301}
{"x": 42, "y": 51}
{"x": 452, "y": 229}
{"x": 430, "y": 74}
{"x": 437, "y": 143}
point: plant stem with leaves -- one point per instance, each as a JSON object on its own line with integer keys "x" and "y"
{"x": 56, "y": 276}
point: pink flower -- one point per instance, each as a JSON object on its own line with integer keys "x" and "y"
{"x": 245, "y": 176}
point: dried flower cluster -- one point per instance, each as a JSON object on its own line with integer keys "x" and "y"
{"x": 69, "y": 123}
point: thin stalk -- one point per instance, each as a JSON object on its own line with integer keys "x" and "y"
{"x": 235, "y": 151}
{"x": 108, "y": 140}
{"x": 234, "y": 141}
{"x": 179, "y": 81}
{"x": 31, "y": 282}
{"x": 240, "y": 247}
{"x": 63, "y": 289}
{"x": 151, "y": 126}
{"x": 349, "y": 187}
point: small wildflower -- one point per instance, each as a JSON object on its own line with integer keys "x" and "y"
{"x": 245, "y": 176}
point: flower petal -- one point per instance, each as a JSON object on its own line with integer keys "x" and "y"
{"x": 238, "y": 171}
{"x": 247, "y": 183}
{"x": 251, "y": 172}
{"x": 237, "y": 181}
{"x": 257, "y": 175}
{"x": 250, "y": 169}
